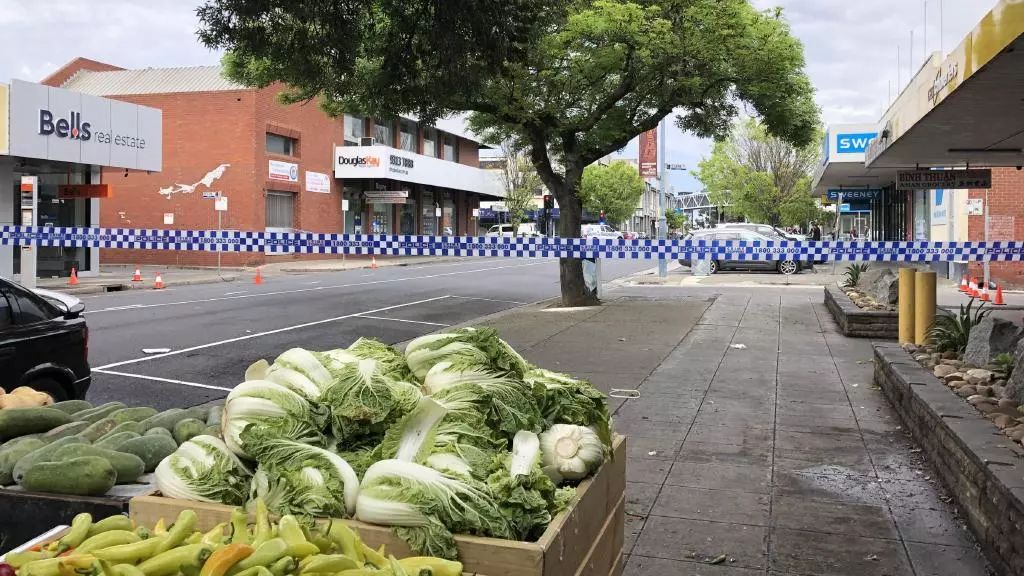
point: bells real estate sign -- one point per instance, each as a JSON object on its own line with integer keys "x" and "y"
{"x": 56, "y": 124}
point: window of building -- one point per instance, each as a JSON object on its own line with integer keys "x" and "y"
{"x": 280, "y": 210}
{"x": 430, "y": 142}
{"x": 355, "y": 128}
{"x": 407, "y": 136}
{"x": 449, "y": 148}
{"x": 277, "y": 144}
{"x": 383, "y": 133}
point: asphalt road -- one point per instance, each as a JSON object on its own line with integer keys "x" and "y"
{"x": 214, "y": 331}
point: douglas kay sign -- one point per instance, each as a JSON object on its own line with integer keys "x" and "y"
{"x": 61, "y": 125}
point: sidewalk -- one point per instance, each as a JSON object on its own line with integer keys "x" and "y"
{"x": 779, "y": 455}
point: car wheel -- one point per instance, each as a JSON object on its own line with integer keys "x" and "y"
{"x": 788, "y": 267}
{"x": 713, "y": 267}
{"x": 52, "y": 387}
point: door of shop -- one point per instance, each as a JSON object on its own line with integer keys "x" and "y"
{"x": 53, "y": 211}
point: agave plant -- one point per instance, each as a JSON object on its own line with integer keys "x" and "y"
{"x": 852, "y": 274}
{"x": 1005, "y": 363}
{"x": 950, "y": 332}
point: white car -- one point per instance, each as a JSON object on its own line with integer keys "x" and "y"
{"x": 505, "y": 230}
{"x": 600, "y": 231}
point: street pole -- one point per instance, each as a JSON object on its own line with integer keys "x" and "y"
{"x": 985, "y": 263}
{"x": 662, "y": 181}
{"x": 219, "y": 212}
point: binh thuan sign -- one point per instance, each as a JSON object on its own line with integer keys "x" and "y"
{"x": 56, "y": 124}
{"x": 943, "y": 179}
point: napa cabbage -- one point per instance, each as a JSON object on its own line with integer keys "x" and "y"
{"x": 480, "y": 345}
{"x": 363, "y": 401}
{"x": 203, "y": 469}
{"x": 279, "y": 411}
{"x": 568, "y": 400}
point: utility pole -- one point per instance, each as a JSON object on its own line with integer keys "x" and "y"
{"x": 662, "y": 182}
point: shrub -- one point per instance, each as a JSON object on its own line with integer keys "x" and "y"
{"x": 852, "y": 274}
{"x": 950, "y": 332}
{"x": 1005, "y": 363}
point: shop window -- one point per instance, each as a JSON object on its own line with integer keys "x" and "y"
{"x": 407, "y": 219}
{"x": 430, "y": 142}
{"x": 382, "y": 132}
{"x": 407, "y": 137}
{"x": 449, "y": 148}
{"x": 355, "y": 128}
{"x": 280, "y": 210}
{"x": 283, "y": 145}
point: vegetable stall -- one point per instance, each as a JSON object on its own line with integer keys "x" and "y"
{"x": 456, "y": 448}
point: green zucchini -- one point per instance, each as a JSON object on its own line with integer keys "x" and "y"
{"x": 44, "y": 454}
{"x": 72, "y": 406}
{"x": 112, "y": 441}
{"x": 168, "y": 418}
{"x": 98, "y": 429}
{"x": 125, "y": 427}
{"x": 100, "y": 412}
{"x": 85, "y": 476}
{"x": 152, "y": 449}
{"x": 213, "y": 419}
{"x": 212, "y": 431}
{"x": 69, "y": 429}
{"x": 9, "y": 456}
{"x": 137, "y": 414}
{"x": 158, "y": 431}
{"x": 16, "y": 422}
{"x": 185, "y": 429}
{"x": 127, "y": 466}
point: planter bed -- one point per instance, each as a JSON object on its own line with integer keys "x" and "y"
{"x": 857, "y": 322}
{"x": 982, "y": 469}
{"x": 586, "y": 539}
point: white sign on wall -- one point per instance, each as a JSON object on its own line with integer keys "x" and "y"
{"x": 221, "y": 204}
{"x": 318, "y": 182}
{"x": 57, "y": 124}
{"x": 283, "y": 171}
{"x": 975, "y": 207}
{"x": 168, "y": 218}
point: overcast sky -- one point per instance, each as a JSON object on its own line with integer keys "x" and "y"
{"x": 850, "y": 46}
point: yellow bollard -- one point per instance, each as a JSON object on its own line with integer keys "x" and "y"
{"x": 906, "y": 305}
{"x": 924, "y": 306}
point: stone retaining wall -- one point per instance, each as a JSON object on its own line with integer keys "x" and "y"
{"x": 981, "y": 468}
{"x": 856, "y": 322}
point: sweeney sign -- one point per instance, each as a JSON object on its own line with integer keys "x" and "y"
{"x": 944, "y": 179}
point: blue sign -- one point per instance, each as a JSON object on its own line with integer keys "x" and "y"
{"x": 853, "y": 194}
{"x": 854, "y": 143}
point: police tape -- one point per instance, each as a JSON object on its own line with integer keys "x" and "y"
{"x": 524, "y": 247}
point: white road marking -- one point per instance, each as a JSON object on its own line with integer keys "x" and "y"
{"x": 156, "y": 379}
{"x": 315, "y": 282}
{"x": 299, "y": 290}
{"x": 490, "y": 300}
{"x": 239, "y": 292}
{"x": 266, "y": 333}
{"x": 402, "y": 320}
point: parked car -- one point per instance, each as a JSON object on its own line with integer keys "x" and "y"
{"x": 505, "y": 230}
{"x": 600, "y": 231}
{"x": 735, "y": 234}
{"x": 766, "y": 229}
{"x": 44, "y": 342}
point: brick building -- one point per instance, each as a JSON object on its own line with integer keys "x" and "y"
{"x": 1006, "y": 222}
{"x": 277, "y": 165}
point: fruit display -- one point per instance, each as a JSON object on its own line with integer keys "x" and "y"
{"x": 75, "y": 448}
{"x": 24, "y": 397}
{"x": 115, "y": 546}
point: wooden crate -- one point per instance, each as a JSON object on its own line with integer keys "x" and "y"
{"x": 585, "y": 540}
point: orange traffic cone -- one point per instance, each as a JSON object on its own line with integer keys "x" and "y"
{"x": 259, "y": 277}
{"x": 373, "y": 262}
{"x": 159, "y": 284}
{"x": 73, "y": 280}
{"x": 999, "y": 296}
{"x": 137, "y": 277}
{"x": 963, "y": 284}
{"x": 984, "y": 293}
{"x": 972, "y": 288}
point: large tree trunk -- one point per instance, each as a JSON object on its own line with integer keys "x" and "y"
{"x": 574, "y": 288}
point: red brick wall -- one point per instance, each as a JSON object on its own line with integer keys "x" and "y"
{"x": 1004, "y": 204}
{"x": 469, "y": 153}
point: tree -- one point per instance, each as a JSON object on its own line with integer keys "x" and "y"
{"x": 615, "y": 189}
{"x": 766, "y": 179}
{"x": 592, "y": 75}
{"x": 520, "y": 181}
{"x": 675, "y": 220}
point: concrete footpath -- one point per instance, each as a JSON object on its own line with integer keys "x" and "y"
{"x": 758, "y": 445}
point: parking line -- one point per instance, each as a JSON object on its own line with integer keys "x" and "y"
{"x": 402, "y": 320}
{"x": 267, "y": 333}
{"x": 315, "y": 288}
{"x": 156, "y": 379}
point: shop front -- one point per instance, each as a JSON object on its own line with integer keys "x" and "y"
{"x": 59, "y": 141}
{"x": 392, "y": 191}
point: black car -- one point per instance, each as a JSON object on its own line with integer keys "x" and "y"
{"x": 736, "y": 234}
{"x": 44, "y": 342}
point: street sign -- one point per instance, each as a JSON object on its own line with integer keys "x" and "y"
{"x": 975, "y": 207}
{"x": 344, "y": 205}
{"x": 210, "y": 195}
{"x": 944, "y": 179}
{"x": 675, "y": 166}
{"x": 221, "y": 204}
{"x": 476, "y": 212}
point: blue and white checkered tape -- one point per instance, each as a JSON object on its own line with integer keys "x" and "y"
{"x": 401, "y": 245}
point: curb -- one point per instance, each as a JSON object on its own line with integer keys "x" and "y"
{"x": 128, "y": 287}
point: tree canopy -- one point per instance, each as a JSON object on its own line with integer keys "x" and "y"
{"x": 520, "y": 182}
{"x": 761, "y": 177}
{"x": 614, "y": 188}
{"x": 570, "y": 81}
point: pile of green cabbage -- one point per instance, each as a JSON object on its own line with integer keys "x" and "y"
{"x": 458, "y": 435}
